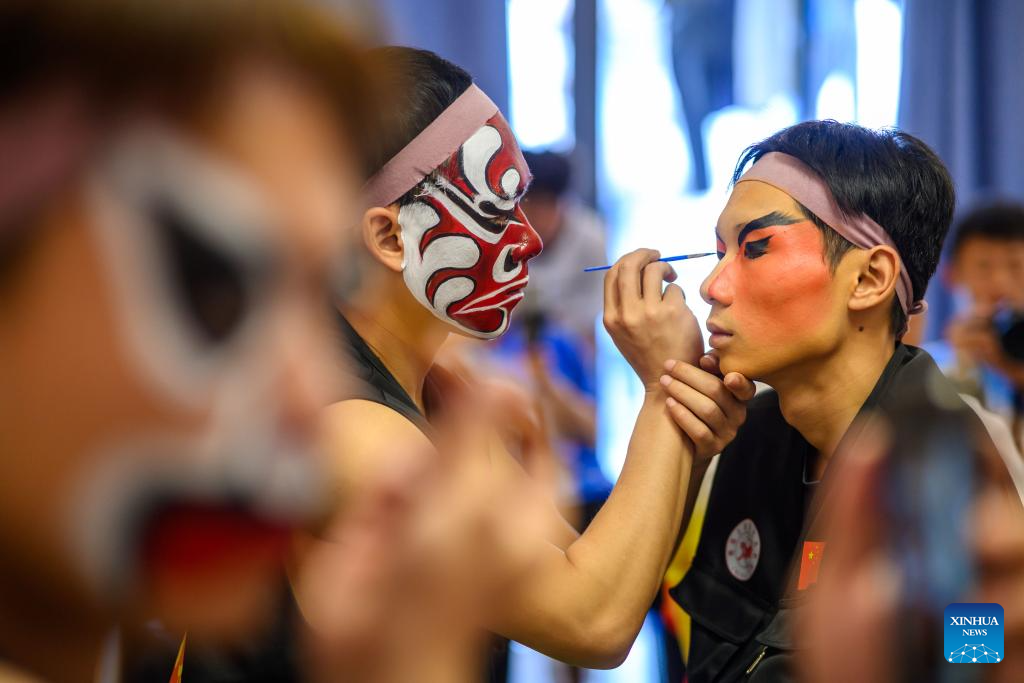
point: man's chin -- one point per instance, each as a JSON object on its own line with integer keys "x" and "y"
{"x": 489, "y": 324}
{"x": 734, "y": 361}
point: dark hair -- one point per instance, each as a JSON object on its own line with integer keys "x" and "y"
{"x": 422, "y": 85}
{"x": 119, "y": 54}
{"x": 1001, "y": 221}
{"x": 889, "y": 175}
{"x": 118, "y": 51}
{"x": 551, "y": 172}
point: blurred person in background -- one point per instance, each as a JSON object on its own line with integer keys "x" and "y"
{"x": 574, "y": 238}
{"x": 172, "y": 179}
{"x": 826, "y": 246}
{"x": 555, "y": 367}
{"x": 447, "y": 248}
{"x": 551, "y": 345}
{"x": 983, "y": 348}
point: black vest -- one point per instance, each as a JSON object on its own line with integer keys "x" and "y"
{"x": 377, "y": 383}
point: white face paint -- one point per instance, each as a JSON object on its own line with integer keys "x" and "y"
{"x": 189, "y": 250}
{"x": 466, "y": 240}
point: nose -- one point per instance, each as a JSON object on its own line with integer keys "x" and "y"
{"x": 530, "y": 243}
{"x": 717, "y": 287}
{"x": 307, "y": 375}
{"x": 1003, "y": 284}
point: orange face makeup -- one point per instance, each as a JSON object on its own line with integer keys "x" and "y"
{"x": 771, "y": 293}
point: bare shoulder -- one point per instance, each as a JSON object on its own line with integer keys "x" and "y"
{"x": 359, "y": 437}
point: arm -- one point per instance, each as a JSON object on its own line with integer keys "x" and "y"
{"x": 708, "y": 410}
{"x": 586, "y": 605}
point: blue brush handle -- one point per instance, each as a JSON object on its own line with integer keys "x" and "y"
{"x": 683, "y": 257}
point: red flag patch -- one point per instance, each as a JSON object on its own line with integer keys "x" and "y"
{"x": 810, "y": 561}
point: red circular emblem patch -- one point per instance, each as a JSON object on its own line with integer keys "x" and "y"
{"x": 743, "y": 550}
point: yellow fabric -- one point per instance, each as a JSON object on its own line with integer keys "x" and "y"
{"x": 683, "y": 558}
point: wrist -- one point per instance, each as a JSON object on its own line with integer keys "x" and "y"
{"x": 654, "y": 391}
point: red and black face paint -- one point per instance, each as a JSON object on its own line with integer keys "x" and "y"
{"x": 467, "y": 239}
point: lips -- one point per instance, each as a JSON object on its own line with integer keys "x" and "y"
{"x": 719, "y": 335}
{"x": 490, "y": 311}
{"x": 195, "y": 539}
{"x": 510, "y": 293}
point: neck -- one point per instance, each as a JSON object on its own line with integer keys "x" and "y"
{"x": 403, "y": 334}
{"x": 821, "y": 398}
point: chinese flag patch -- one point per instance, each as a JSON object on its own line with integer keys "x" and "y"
{"x": 810, "y": 561}
{"x": 179, "y": 662}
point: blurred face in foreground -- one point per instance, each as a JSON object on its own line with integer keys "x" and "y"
{"x": 164, "y": 359}
{"x": 775, "y": 303}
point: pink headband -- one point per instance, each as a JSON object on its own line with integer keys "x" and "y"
{"x": 795, "y": 178}
{"x": 428, "y": 150}
{"x": 44, "y": 141}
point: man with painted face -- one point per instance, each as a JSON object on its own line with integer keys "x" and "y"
{"x": 171, "y": 179}
{"x": 448, "y": 250}
{"x": 826, "y": 246}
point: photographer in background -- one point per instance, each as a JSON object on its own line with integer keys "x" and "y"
{"x": 574, "y": 238}
{"x": 983, "y": 349}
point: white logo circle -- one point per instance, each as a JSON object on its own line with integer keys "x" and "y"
{"x": 743, "y": 550}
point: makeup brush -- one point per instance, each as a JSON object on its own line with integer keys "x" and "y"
{"x": 683, "y": 257}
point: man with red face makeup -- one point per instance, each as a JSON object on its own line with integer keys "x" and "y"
{"x": 447, "y": 250}
{"x": 826, "y": 246}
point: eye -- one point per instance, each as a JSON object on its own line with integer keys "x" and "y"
{"x": 756, "y": 248}
{"x": 211, "y": 285}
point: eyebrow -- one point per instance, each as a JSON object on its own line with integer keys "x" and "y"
{"x": 768, "y": 220}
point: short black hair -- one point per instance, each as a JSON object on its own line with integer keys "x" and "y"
{"x": 551, "y": 172}
{"x": 999, "y": 221}
{"x": 422, "y": 85}
{"x": 888, "y": 175}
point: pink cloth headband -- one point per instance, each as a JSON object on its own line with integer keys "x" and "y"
{"x": 795, "y": 178}
{"x": 428, "y": 150}
{"x": 44, "y": 141}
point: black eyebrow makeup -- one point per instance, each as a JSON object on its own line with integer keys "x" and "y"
{"x": 769, "y": 220}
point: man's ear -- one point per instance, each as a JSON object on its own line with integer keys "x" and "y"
{"x": 879, "y": 271}
{"x": 383, "y": 236}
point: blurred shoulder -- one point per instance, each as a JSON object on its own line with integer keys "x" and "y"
{"x": 361, "y": 440}
{"x": 362, "y": 422}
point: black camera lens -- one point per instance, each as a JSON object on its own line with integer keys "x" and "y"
{"x": 1011, "y": 334}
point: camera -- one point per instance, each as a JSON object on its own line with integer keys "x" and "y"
{"x": 1010, "y": 329}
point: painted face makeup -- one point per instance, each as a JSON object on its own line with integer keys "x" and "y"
{"x": 189, "y": 248}
{"x": 467, "y": 240}
{"x": 771, "y": 293}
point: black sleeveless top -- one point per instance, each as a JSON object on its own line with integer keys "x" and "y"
{"x": 377, "y": 383}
